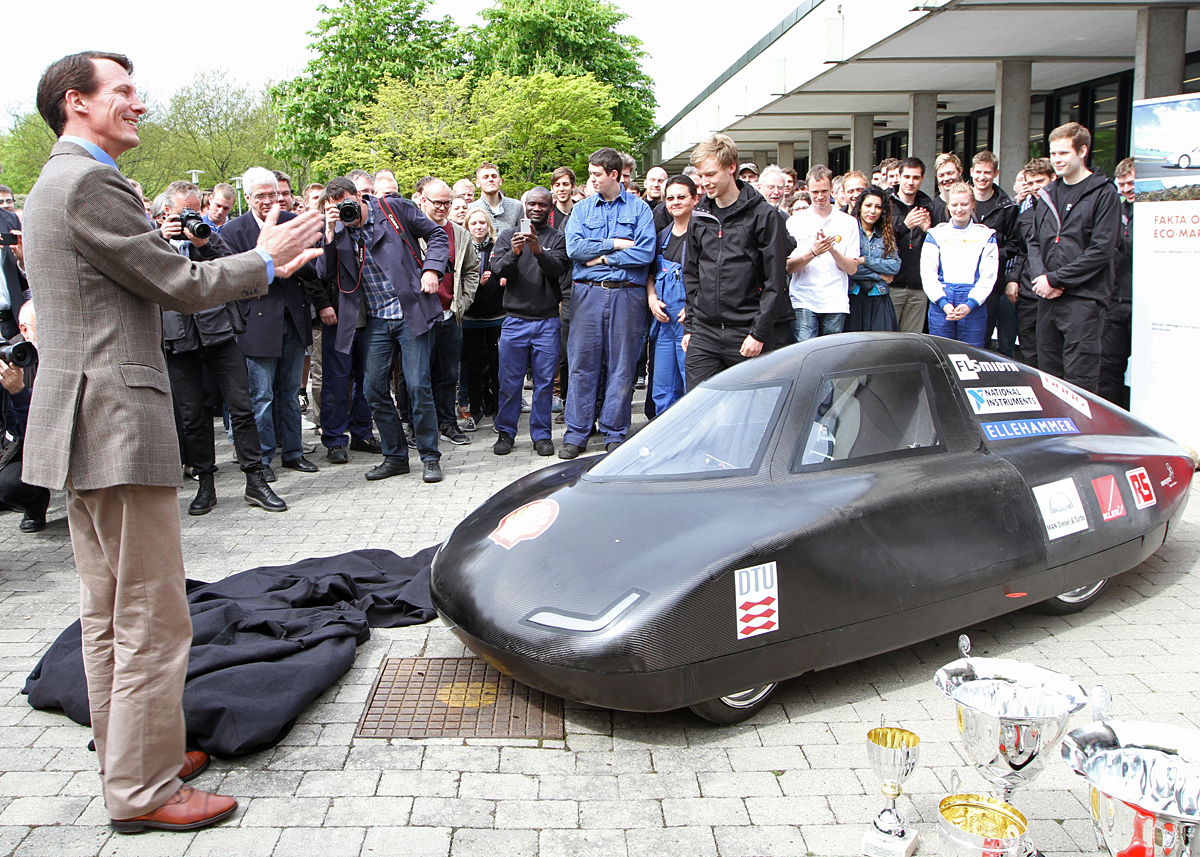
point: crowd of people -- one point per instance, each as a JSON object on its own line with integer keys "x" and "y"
{"x": 429, "y": 315}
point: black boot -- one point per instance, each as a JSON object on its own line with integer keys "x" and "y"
{"x": 259, "y": 493}
{"x": 206, "y": 497}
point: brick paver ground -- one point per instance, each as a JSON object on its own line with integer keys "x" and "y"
{"x": 794, "y": 781}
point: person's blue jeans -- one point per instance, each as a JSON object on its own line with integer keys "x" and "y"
{"x": 527, "y": 345}
{"x": 667, "y": 386}
{"x": 379, "y": 341}
{"x": 971, "y": 330}
{"x": 275, "y": 396}
{"x": 809, "y": 324}
{"x": 447, "y": 355}
{"x": 608, "y": 327}
{"x": 343, "y": 403}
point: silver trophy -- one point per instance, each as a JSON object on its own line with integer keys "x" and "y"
{"x": 975, "y": 825}
{"x": 1011, "y": 714}
{"x": 1145, "y": 780}
{"x": 893, "y": 754}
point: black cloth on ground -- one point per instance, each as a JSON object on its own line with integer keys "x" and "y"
{"x": 265, "y": 644}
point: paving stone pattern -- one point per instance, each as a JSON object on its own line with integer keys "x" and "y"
{"x": 794, "y": 781}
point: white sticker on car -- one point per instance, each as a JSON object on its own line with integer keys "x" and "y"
{"x": 756, "y": 590}
{"x": 1002, "y": 400}
{"x": 1059, "y": 388}
{"x": 1062, "y": 510}
{"x": 1142, "y": 487}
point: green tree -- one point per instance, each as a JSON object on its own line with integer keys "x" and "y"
{"x": 359, "y": 43}
{"x": 24, "y": 150}
{"x": 528, "y": 126}
{"x": 569, "y": 37}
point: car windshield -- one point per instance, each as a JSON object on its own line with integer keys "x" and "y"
{"x": 709, "y": 432}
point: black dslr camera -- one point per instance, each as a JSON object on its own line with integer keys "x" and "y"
{"x": 348, "y": 210}
{"x": 194, "y": 223}
{"x": 19, "y": 354}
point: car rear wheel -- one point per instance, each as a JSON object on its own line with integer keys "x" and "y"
{"x": 1073, "y": 601}
{"x": 736, "y": 707}
{"x": 1184, "y": 162}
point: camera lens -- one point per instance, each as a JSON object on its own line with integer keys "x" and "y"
{"x": 194, "y": 223}
{"x": 19, "y": 354}
{"x": 349, "y": 211}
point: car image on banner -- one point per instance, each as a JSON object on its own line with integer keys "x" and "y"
{"x": 824, "y": 503}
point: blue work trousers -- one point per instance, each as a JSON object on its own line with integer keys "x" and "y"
{"x": 343, "y": 403}
{"x": 527, "y": 345}
{"x": 668, "y": 383}
{"x": 971, "y": 330}
{"x": 608, "y": 328}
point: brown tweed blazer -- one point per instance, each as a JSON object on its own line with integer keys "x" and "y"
{"x": 99, "y": 273}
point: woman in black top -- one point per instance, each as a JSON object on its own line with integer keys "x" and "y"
{"x": 481, "y": 327}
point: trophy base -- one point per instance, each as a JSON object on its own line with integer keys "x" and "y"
{"x": 876, "y": 844}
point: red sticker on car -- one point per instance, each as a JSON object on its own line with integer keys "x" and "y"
{"x": 757, "y": 600}
{"x": 1112, "y": 504}
{"x": 526, "y": 523}
{"x": 1143, "y": 489}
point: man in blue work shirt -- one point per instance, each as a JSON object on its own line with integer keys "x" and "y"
{"x": 611, "y": 240}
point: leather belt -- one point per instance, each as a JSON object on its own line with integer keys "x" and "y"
{"x": 612, "y": 284}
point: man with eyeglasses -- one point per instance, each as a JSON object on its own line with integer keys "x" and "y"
{"x": 456, "y": 290}
{"x": 278, "y": 329}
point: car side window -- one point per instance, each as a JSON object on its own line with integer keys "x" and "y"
{"x": 880, "y": 413}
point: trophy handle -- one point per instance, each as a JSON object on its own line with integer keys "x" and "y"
{"x": 964, "y": 645}
{"x": 1101, "y": 701}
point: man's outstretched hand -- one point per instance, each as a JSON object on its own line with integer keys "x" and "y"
{"x": 291, "y": 244}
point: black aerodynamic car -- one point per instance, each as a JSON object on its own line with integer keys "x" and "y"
{"x": 830, "y": 501}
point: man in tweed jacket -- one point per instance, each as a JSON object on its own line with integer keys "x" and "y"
{"x": 101, "y": 425}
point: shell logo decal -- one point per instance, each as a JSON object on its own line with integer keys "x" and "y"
{"x": 524, "y": 524}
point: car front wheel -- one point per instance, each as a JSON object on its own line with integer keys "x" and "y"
{"x": 736, "y": 707}
{"x": 1073, "y": 601}
{"x": 1184, "y": 162}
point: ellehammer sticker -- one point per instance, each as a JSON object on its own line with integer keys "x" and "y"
{"x": 1060, "y": 389}
{"x": 1062, "y": 510}
{"x": 1112, "y": 505}
{"x": 527, "y": 522}
{"x": 1142, "y": 488}
{"x": 1002, "y": 400}
{"x": 756, "y": 590}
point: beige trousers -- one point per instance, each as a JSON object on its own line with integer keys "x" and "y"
{"x": 911, "y": 308}
{"x": 137, "y": 633}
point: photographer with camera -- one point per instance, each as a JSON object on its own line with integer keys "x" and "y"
{"x": 12, "y": 278}
{"x": 371, "y": 252}
{"x": 16, "y": 359}
{"x": 206, "y": 339}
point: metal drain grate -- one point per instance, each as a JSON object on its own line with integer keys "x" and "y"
{"x": 456, "y": 697}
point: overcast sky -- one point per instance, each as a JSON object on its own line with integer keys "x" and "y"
{"x": 270, "y": 41}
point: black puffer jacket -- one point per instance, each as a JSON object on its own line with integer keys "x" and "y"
{"x": 1075, "y": 249}
{"x": 909, "y": 241}
{"x": 734, "y": 269}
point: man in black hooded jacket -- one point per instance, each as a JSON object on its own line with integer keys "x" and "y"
{"x": 1072, "y": 243}
{"x": 734, "y": 267}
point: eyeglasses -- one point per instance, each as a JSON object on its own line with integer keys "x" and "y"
{"x": 263, "y": 197}
{"x": 438, "y": 203}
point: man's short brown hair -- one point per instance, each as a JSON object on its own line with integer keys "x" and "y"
{"x": 986, "y": 157}
{"x": 888, "y": 165}
{"x": 486, "y": 165}
{"x": 310, "y": 188}
{"x": 947, "y": 158}
{"x": 564, "y": 173}
{"x": 224, "y": 190}
{"x": 1079, "y": 136}
{"x": 1125, "y": 168}
{"x": 77, "y": 72}
{"x": 719, "y": 146}
{"x": 179, "y": 188}
{"x": 819, "y": 173}
{"x": 1040, "y": 167}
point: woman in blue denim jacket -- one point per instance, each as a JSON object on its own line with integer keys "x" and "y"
{"x": 870, "y": 302}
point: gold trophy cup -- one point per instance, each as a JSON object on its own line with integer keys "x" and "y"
{"x": 893, "y": 754}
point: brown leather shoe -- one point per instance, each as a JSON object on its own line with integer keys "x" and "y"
{"x": 195, "y": 763}
{"x": 188, "y": 809}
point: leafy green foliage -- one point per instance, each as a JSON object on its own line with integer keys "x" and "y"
{"x": 23, "y": 151}
{"x": 569, "y": 37}
{"x": 359, "y": 43}
{"x": 528, "y": 126}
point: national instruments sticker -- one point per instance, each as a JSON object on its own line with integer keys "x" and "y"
{"x": 1002, "y": 400}
{"x": 1059, "y": 388}
{"x": 756, "y": 590}
{"x": 1062, "y": 510}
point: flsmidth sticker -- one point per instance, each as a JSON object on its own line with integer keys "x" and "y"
{"x": 968, "y": 369}
{"x": 1012, "y": 429}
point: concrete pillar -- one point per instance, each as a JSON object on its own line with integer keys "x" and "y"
{"x": 862, "y": 143}
{"x": 818, "y": 148}
{"x": 785, "y": 154}
{"x": 1010, "y": 134}
{"x": 1159, "y": 51}
{"x": 922, "y": 133}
